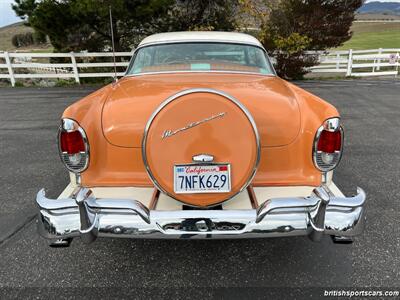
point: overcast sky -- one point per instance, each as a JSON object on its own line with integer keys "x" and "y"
{"x": 7, "y": 15}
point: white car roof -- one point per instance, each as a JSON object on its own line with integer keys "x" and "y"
{"x": 200, "y": 36}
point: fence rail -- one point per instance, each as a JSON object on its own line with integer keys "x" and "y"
{"x": 359, "y": 63}
{"x": 74, "y": 65}
{"x": 13, "y": 66}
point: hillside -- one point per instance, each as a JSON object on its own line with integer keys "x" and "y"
{"x": 367, "y": 35}
{"x": 377, "y": 16}
{"x": 381, "y": 7}
{"x": 7, "y": 32}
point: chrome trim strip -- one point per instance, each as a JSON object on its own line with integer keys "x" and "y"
{"x": 200, "y": 71}
{"x": 332, "y": 124}
{"x": 201, "y": 90}
{"x": 188, "y": 41}
{"x": 84, "y": 216}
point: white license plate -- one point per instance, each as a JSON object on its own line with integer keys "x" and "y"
{"x": 202, "y": 178}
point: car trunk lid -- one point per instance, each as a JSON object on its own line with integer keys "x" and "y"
{"x": 134, "y": 99}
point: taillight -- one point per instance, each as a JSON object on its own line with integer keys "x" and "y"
{"x": 330, "y": 142}
{"x": 328, "y": 145}
{"x": 73, "y": 146}
{"x": 72, "y": 142}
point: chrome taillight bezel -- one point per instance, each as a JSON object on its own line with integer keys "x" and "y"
{"x": 69, "y": 125}
{"x": 332, "y": 125}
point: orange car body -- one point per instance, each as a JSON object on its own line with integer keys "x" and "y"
{"x": 286, "y": 116}
{"x": 200, "y": 139}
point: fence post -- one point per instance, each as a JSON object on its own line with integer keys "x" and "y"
{"x": 75, "y": 67}
{"x": 337, "y": 61}
{"x": 379, "y": 60}
{"x": 9, "y": 67}
{"x": 349, "y": 63}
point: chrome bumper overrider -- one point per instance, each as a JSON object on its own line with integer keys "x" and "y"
{"x": 85, "y": 216}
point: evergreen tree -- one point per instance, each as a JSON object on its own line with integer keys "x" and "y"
{"x": 73, "y": 25}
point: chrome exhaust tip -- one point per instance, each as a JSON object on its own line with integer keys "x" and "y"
{"x": 342, "y": 239}
{"x": 61, "y": 243}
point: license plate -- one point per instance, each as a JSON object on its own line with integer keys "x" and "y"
{"x": 202, "y": 178}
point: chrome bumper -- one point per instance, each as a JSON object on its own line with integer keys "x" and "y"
{"x": 85, "y": 216}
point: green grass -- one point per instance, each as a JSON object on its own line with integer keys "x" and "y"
{"x": 373, "y": 36}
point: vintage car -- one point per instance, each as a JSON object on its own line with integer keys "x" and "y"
{"x": 200, "y": 139}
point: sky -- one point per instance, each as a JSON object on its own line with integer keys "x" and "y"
{"x": 7, "y": 15}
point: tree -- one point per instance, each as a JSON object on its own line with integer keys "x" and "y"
{"x": 291, "y": 61}
{"x": 84, "y": 24}
{"x": 203, "y": 15}
{"x": 314, "y": 24}
{"x": 326, "y": 22}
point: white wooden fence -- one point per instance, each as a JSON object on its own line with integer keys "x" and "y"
{"x": 14, "y": 66}
{"x": 359, "y": 63}
{"x": 39, "y": 65}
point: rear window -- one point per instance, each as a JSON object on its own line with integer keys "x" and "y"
{"x": 200, "y": 57}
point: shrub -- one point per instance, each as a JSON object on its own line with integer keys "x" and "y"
{"x": 292, "y": 61}
{"x": 28, "y": 39}
{"x": 22, "y": 39}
